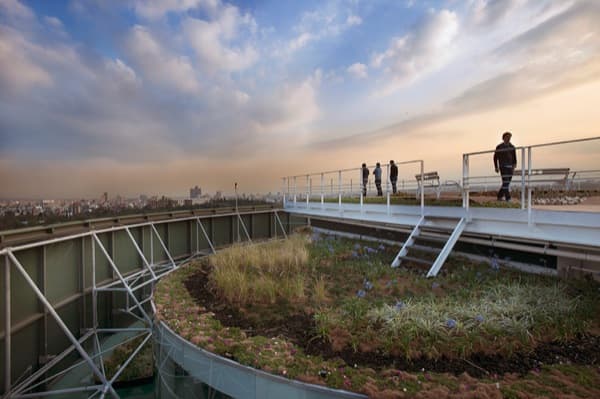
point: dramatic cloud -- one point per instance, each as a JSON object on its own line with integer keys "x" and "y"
{"x": 415, "y": 54}
{"x": 158, "y": 64}
{"x": 560, "y": 53}
{"x": 358, "y": 70}
{"x": 18, "y": 71}
{"x": 213, "y": 40}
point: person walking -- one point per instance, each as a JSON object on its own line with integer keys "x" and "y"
{"x": 365, "y": 179}
{"x": 393, "y": 175}
{"x": 377, "y": 174}
{"x": 505, "y": 162}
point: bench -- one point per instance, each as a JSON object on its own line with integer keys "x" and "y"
{"x": 547, "y": 177}
{"x": 430, "y": 180}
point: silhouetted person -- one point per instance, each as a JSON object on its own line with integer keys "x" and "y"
{"x": 377, "y": 174}
{"x": 365, "y": 178}
{"x": 505, "y": 162}
{"x": 393, "y": 175}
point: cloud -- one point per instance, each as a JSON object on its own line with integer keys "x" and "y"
{"x": 419, "y": 52}
{"x": 353, "y": 20}
{"x": 151, "y": 9}
{"x": 14, "y": 9}
{"x": 487, "y": 13}
{"x": 18, "y": 70}
{"x": 568, "y": 38}
{"x": 292, "y": 106}
{"x": 213, "y": 40}
{"x": 158, "y": 64}
{"x": 328, "y": 20}
{"x": 358, "y": 70}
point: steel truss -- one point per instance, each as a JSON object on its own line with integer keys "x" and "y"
{"x": 138, "y": 307}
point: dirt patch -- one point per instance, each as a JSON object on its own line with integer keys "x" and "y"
{"x": 297, "y": 326}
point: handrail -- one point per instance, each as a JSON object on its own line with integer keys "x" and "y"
{"x": 537, "y": 145}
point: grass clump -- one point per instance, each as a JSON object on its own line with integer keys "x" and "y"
{"x": 262, "y": 273}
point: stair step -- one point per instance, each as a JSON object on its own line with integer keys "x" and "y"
{"x": 423, "y": 248}
{"x": 417, "y": 260}
{"x": 431, "y": 239}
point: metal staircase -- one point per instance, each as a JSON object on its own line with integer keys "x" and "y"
{"x": 425, "y": 250}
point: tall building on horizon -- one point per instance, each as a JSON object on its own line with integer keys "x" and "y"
{"x": 195, "y": 192}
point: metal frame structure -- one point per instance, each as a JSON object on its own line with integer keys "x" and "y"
{"x": 136, "y": 285}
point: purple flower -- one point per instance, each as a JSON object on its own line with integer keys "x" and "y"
{"x": 357, "y": 247}
{"x": 495, "y": 264}
{"x": 399, "y": 306}
{"x": 368, "y": 285}
{"x": 370, "y": 250}
{"x": 451, "y": 323}
{"x": 381, "y": 247}
{"x": 435, "y": 285}
{"x": 354, "y": 255}
{"x": 479, "y": 318}
{"x": 361, "y": 293}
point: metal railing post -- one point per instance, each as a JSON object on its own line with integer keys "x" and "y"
{"x": 529, "y": 189}
{"x": 466, "y": 182}
{"x": 340, "y": 190}
{"x": 7, "y": 327}
{"x": 523, "y": 165}
{"x": 422, "y": 189}
{"x": 362, "y": 187}
{"x": 322, "y": 191}
{"x": 307, "y": 190}
{"x": 283, "y": 191}
{"x": 294, "y": 191}
{"x": 387, "y": 181}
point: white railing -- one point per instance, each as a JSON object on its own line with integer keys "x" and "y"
{"x": 533, "y": 175}
{"x": 348, "y": 183}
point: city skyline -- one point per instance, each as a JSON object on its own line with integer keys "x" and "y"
{"x": 139, "y": 96}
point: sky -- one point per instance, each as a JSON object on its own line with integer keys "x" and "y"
{"x": 154, "y": 97}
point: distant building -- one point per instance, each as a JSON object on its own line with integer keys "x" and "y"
{"x": 187, "y": 202}
{"x": 195, "y": 192}
{"x": 105, "y": 197}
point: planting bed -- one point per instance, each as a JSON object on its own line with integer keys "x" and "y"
{"x": 332, "y": 312}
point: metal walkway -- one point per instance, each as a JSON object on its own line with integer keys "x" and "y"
{"x": 576, "y": 235}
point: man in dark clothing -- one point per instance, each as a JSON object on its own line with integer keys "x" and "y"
{"x": 393, "y": 175}
{"x": 365, "y": 179}
{"x": 505, "y": 162}
{"x": 377, "y": 174}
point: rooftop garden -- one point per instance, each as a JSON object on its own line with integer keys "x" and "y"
{"x": 331, "y": 311}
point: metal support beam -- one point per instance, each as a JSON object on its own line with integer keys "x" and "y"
{"x": 206, "y": 236}
{"x": 120, "y": 276}
{"x": 280, "y": 224}
{"x": 163, "y": 245}
{"x": 244, "y": 227}
{"x": 61, "y": 324}
{"x": 139, "y": 251}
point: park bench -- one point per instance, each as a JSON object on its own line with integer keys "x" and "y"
{"x": 430, "y": 180}
{"x": 545, "y": 178}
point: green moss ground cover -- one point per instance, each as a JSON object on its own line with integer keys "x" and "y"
{"x": 373, "y": 322}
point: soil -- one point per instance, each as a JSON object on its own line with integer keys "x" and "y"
{"x": 299, "y": 328}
